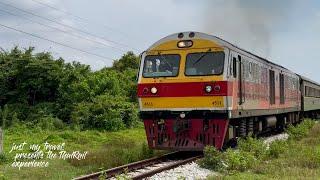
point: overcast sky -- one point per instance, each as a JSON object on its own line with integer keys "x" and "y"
{"x": 286, "y": 32}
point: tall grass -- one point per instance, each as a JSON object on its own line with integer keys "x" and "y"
{"x": 251, "y": 153}
{"x": 105, "y": 150}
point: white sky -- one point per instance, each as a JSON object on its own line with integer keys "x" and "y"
{"x": 285, "y": 32}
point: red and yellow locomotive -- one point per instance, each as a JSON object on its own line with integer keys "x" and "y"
{"x": 195, "y": 89}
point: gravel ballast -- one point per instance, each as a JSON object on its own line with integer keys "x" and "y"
{"x": 188, "y": 171}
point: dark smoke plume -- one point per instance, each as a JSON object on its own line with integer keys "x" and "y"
{"x": 247, "y": 23}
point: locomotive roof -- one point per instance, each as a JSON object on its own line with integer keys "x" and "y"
{"x": 217, "y": 39}
{"x": 309, "y": 80}
{"x": 223, "y": 43}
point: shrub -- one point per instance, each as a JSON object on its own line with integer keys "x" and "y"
{"x": 3, "y": 158}
{"x": 238, "y": 160}
{"x": 109, "y": 121}
{"x": 253, "y": 153}
{"x": 276, "y": 148}
{"x": 106, "y": 112}
{"x": 254, "y": 146}
{"x": 301, "y": 130}
{"x": 250, "y": 151}
{"x": 49, "y": 123}
{"x": 39, "y": 111}
{"x": 58, "y": 124}
{"x": 212, "y": 158}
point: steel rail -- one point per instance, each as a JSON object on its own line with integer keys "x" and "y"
{"x": 140, "y": 165}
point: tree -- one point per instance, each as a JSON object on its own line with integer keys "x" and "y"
{"x": 36, "y": 87}
{"x": 127, "y": 61}
{"x": 26, "y": 78}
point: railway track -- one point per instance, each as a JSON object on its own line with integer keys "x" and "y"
{"x": 149, "y": 167}
{"x": 146, "y": 168}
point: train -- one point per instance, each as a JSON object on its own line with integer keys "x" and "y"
{"x": 196, "y": 90}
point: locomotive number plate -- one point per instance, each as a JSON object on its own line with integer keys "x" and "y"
{"x": 217, "y": 103}
{"x": 148, "y": 104}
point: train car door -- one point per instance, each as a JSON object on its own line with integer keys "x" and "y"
{"x": 241, "y": 81}
{"x": 237, "y": 68}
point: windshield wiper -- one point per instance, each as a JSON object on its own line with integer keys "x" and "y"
{"x": 201, "y": 57}
{"x": 164, "y": 59}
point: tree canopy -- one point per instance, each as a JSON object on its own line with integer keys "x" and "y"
{"x": 40, "y": 90}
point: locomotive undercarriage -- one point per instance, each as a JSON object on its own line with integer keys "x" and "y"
{"x": 312, "y": 114}
{"x": 196, "y": 129}
{"x": 256, "y": 126}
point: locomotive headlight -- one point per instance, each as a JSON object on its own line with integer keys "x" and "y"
{"x": 182, "y": 44}
{"x": 154, "y": 90}
{"x": 217, "y": 88}
{"x": 208, "y": 89}
{"x": 185, "y": 44}
{"x": 182, "y": 115}
{"x": 145, "y": 90}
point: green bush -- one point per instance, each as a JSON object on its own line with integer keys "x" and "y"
{"x": 301, "y": 130}
{"x": 212, "y": 158}
{"x": 276, "y": 148}
{"x": 238, "y": 160}
{"x": 230, "y": 160}
{"x": 251, "y": 153}
{"x": 106, "y": 112}
{"x": 3, "y": 158}
{"x": 254, "y": 146}
{"x": 50, "y": 123}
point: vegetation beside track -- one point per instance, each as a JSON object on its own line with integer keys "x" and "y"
{"x": 105, "y": 150}
{"x": 46, "y": 99}
{"x": 37, "y": 89}
{"x": 296, "y": 158}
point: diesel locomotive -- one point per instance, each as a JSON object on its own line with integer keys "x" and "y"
{"x": 196, "y": 89}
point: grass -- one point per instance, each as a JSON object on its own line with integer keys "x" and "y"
{"x": 105, "y": 150}
{"x": 296, "y": 158}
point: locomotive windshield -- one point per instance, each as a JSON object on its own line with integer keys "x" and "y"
{"x": 204, "y": 63}
{"x": 161, "y": 65}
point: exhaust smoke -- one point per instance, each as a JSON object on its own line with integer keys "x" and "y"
{"x": 248, "y": 24}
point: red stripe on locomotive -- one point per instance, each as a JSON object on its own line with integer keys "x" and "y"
{"x": 219, "y": 88}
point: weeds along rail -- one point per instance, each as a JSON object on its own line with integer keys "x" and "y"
{"x": 148, "y": 167}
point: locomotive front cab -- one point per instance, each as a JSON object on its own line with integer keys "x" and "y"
{"x": 182, "y": 91}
